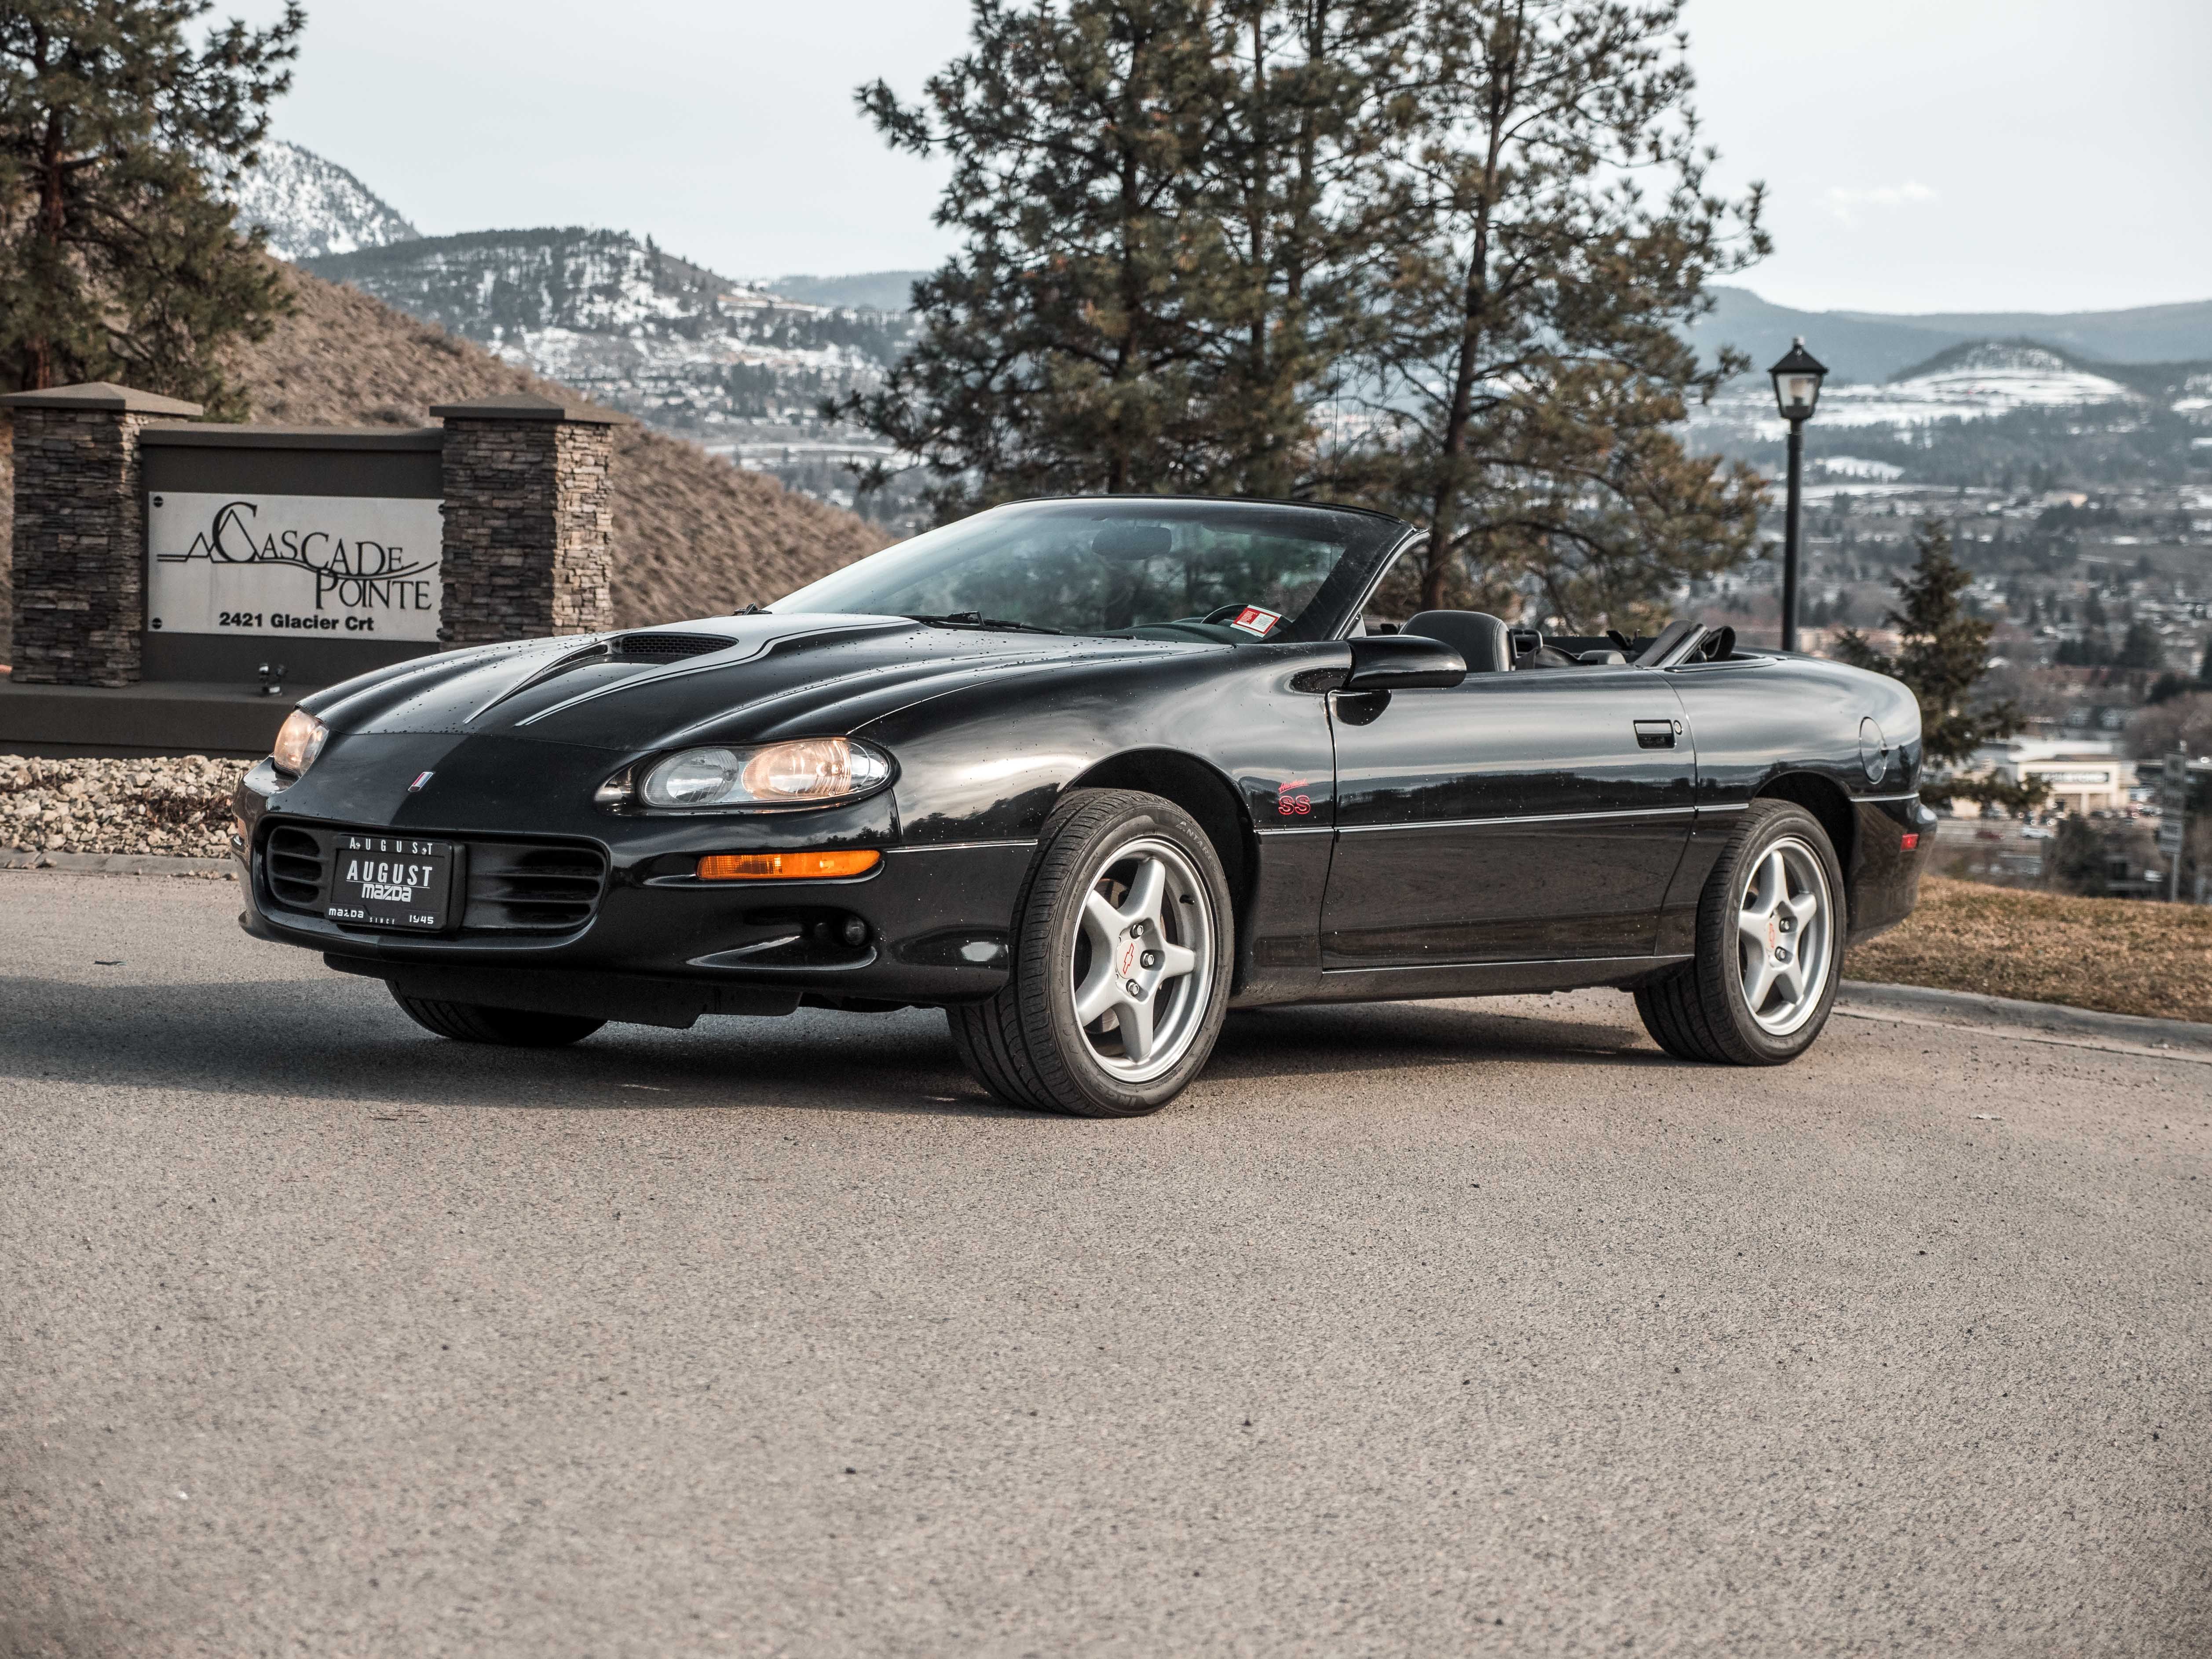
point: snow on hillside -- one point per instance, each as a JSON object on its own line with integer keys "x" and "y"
{"x": 650, "y": 333}
{"x": 1975, "y": 382}
{"x": 311, "y": 206}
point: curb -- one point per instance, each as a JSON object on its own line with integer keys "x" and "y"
{"x": 1968, "y": 1008}
{"x": 121, "y": 864}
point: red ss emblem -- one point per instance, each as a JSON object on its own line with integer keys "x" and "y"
{"x": 1290, "y": 802}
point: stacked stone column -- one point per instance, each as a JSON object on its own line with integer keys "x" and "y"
{"x": 79, "y": 553}
{"x": 529, "y": 519}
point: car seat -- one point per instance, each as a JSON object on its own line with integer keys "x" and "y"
{"x": 1477, "y": 637}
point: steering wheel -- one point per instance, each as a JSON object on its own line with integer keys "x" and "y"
{"x": 1222, "y": 613}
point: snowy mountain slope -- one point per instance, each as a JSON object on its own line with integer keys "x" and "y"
{"x": 658, "y": 337}
{"x": 489, "y": 284}
{"x": 1865, "y": 345}
{"x": 312, "y": 207}
{"x": 1974, "y": 382}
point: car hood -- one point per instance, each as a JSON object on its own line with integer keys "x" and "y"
{"x": 737, "y": 679}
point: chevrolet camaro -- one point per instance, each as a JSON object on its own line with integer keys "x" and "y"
{"x": 1088, "y": 774}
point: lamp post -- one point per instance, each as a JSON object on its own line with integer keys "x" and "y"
{"x": 1797, "y": 379}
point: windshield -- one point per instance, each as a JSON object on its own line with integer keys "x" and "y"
{"x": 1136, "y": 567}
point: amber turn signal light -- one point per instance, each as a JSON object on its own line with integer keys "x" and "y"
{"x": 786, "y": 867}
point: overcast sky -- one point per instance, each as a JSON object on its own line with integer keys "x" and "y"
{"x": 1922, "y": 154}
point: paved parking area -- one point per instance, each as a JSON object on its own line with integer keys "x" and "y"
{"x": 1412, "y": 1329}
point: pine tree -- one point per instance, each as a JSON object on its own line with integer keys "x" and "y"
{"x": 2141, "y": 648}
{"x": 1161, "y": 219}
{"x": 117, "y": 257}
{"x": 2077, "y": 858}
{"x": 1551, "y": 230}
{"x": 1941, "y": 654}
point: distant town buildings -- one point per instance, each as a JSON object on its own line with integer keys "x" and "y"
{"x": 2085, "y": 774}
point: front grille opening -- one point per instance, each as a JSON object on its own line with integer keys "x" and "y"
{"x": 668, "y": 647}
{"x": 297, "y": 872}
{"x": 515, "y": 888}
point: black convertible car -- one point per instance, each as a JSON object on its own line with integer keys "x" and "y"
{"x": 1088, "y": 774}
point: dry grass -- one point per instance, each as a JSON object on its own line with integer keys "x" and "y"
{"x": 2119, "y": 956}
{"x": 693, "y": 534}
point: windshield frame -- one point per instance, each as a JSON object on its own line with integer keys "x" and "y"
{"x": 1331, "y": 614}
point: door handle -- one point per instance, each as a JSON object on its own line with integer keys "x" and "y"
{"x": 1657, "y": 734}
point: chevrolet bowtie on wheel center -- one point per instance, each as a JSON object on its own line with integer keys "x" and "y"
{"x": 1088, "y": 774}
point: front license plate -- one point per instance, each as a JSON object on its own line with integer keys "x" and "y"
{"x": 391, "y": 881}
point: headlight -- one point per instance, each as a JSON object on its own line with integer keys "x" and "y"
{"x": 299, "y": 740}
{"x": 807, "y": 772}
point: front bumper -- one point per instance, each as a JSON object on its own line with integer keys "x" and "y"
{"x": 653, "y": 943}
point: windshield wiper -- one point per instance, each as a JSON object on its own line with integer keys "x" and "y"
{"x": 977, "y": 619}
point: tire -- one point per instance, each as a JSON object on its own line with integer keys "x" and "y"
{"x": 1777, "y": 880}
{"x": 1108, "y": 860}
{"x": 509, "y": 1028}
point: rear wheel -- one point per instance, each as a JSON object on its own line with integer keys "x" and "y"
{"x": 510, "y": 1028}
{"x": 1122, "y": 955}
{"x": 1771, "y": 929}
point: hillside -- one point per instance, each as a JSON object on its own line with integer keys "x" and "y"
{"x": 739, "y": 369}
{"x": 488, "y": 283}
{"x": 1976, "y": 413}
{"x": 693, "y": 534}
{"x": 1874, "y": 346}
{"x": 310, "y": 206}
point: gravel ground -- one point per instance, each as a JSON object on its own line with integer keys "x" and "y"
{"x": 179, "y": 805}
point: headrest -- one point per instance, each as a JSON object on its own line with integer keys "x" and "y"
{"x": 1477, "y": 635}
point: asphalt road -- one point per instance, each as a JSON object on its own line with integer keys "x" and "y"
{"x": 1474, "y": 1328}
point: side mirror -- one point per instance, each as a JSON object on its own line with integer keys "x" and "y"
{"x": 1403, "y": 662}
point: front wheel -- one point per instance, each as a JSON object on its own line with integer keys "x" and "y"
{"x": 1123, "y": 947}
{"x": 1771, "y": 928}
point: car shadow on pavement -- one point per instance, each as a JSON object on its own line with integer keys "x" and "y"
{"x": 1399, "y": 1035}
{"x": 341, "y": 1041}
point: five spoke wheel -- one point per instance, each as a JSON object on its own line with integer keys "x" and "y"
{"x": 1142, "y": 958}
{"x": 1784, "y": 936}
{"x": 1121, "y": 962}
{"x": 1771, "y": 925}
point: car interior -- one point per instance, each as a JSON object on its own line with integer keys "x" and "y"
{"x": 1491, "y": 645}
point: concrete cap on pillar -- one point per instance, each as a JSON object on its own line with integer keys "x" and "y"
{"x": 102, "y": 395}
{"x": 528, "y": 406}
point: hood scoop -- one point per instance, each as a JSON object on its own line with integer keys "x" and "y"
{"x": 665, "y": 647}
{"x": 645, "y": 650}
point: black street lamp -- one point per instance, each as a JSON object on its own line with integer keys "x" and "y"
{"x": 1797, "y": 379}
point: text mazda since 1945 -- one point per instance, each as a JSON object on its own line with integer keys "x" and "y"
{"x": 1088, "y": 774}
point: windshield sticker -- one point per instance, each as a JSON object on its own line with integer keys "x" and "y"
{"x": 1253, "y": 619}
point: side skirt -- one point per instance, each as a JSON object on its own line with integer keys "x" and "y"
{"x": 1485, "y": 978}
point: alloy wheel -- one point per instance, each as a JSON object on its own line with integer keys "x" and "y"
{"x": 1785, "y": 936}
{"x": 1143, "y": 959}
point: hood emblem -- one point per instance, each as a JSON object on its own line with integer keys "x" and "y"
{"x": 416, "y": 785}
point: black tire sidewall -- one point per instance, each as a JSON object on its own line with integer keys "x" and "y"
{"x": 1046, "y": 986}
{"x": 1720, "y": 966}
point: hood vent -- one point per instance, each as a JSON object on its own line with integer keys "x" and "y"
{"x": 668, "y": 647}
